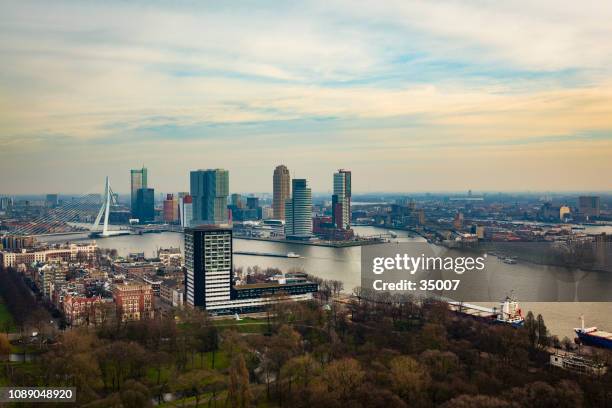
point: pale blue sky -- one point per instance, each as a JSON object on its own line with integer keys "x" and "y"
{"x": 410, "y": 95}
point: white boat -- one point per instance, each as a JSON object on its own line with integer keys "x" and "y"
{"x": 292, "y": 255}
{"x": 509, "y": 261}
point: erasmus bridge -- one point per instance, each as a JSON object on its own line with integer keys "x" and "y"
{"x": 74, "y": 217}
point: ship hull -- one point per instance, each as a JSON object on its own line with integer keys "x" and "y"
{"x": 489, "y": 319}
{"x": 596, "y": 341}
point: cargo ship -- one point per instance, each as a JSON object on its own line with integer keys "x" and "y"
{"x": 592, "y": 336}
{"x": 508, "y": 313}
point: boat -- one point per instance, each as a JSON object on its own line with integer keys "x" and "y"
{"x": 592, "y": 336}
{"x": 112, "y": 233}
{"x": 275, "y": 255}
{"x": 509, "y": 261}
{"x": 509, "y": 312}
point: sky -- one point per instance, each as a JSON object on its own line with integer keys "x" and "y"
{"x": 409, "y": 95}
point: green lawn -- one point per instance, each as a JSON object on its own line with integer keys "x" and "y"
{"x": 5, "y": 318}
{"x": 246, "y": 325}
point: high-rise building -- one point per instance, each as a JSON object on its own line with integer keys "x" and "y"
{"x": 281, "y": 191}
{"x": 209, "y": 191}
{"x": 208, "y": 263}
{"x": 171, "y": 209}
{"x": 138, "y": 180}
{"x": 298, "y": 211}
{"x": 341, "y": 200}
{"x": 209, "y": 280}
{"x": 145, "y": 205}
{"x": 588, "y": 206}
{"x": 186, "y": 211}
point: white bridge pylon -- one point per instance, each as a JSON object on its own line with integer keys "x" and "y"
{"x": 105, "y": 210}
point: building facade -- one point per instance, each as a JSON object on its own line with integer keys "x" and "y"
{"x": 134, "y": 301}
{"x": 138, "y": 180}
{"x": 281, "y": 187}
{"x": 81, "y": 310}
{"x": 171, "y": 209}
{"x": 298, "y": 211}
{"x": 69, "y": 253}
{"x": 186, "y": 211}
{"x": 145, "y": 205}
{"x": 209, "y": 192}
{"x": 208, "y": 263}
{"x": 341, "y": 200}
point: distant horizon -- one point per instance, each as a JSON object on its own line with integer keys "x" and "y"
{"x": 457, "y": 193}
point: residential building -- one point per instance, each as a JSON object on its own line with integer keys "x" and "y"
{"x": 341, "y": 200}
{"x": 171, "y": 209}
{"x": 69, "y": 253}
{"x": 134, "y": 301}
{"x": 298, "y": 211}
{"x": 80, "y": 310}
{"x": 186, "y": 211}
{"x": 172, "y": 292}
{"x": 281, "y": 186}
{"x": 135, "y": 270}
{"x": 170, "y": 257}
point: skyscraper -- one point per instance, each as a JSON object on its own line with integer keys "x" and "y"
{"x": 588, "y": 206}
{"x": 171, "y": 209}
{"x": 208, "y": 264}
{"x": 145, "y": 205}
{"x": 298, "y": 211}
{"x": 341, "y": 200}
{"x": 209, "y": 280}
{"x": 138, "y": 180}
{"x": 186, "y": 211}
{"x": 281, "y": 191}
{"x": 209, "y": 191}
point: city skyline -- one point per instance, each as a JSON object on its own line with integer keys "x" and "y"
{"x": 520, "y": 102}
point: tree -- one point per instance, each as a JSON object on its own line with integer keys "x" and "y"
{"x": 5, "y": 350}
{"x": 408, "y": 377}
{"x": 476, "y": 401}
{"x": 191, "y": 384}
{"x": 239, "y": 392}
{"x": 5, "y": 346}
{"x": 543, "y": 339}
{"x": 532, "y": 329}
{"x": 343, "y": 378}
{"x": 135, "y": 395}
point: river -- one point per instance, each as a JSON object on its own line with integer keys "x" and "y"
{"x": 344, "y": 264}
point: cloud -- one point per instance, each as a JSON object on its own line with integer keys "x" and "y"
{"x": 356, "y": 82}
